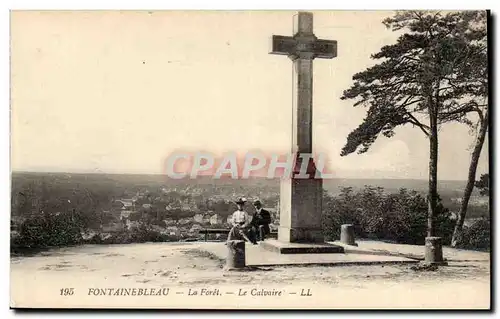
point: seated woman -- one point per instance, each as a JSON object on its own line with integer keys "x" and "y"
{"x": 242, "y": 228}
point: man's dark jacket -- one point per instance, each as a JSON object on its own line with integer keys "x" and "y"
{"x": 261, "y": 218}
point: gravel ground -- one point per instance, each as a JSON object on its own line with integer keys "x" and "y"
{"x": 185, "y": 268}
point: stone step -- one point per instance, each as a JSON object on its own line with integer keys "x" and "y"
{"x": 300, "y": 248}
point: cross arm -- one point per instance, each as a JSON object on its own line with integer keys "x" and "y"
{"x": 282, "y": 45}
{"x": 325, "y": 49}
{"x": 309, "y": 45}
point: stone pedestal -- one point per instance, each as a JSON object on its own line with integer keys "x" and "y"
{"x": 347, "y": 235}
{"x": 301, "y": 224}
{"x": 434, "y": 251}
{"x": 300, "y": 211}
{"x": 235, "y": 254}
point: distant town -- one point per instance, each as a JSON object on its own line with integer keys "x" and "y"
{"x": 112, "y": 206}
{"x": 128, "y": 213}
{"x": 175, "y": 210}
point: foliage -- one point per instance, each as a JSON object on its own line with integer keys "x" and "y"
{"x": 140, "y": 234}
{"x": 66, "y": 229}
{"x": 145, "y": 233}
{"x": 49, "y": 230}
{"x": 399, "y": 217}
{"x": 483, "y": 184}
{"x": 440, "y": 60}
{"x": 476, "y": 236}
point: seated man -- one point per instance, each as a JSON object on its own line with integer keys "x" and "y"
{"x": 242, "y": 229}
{"x": 261, "y": 220}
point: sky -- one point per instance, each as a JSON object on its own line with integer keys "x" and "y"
{"x": 117, "y": 92}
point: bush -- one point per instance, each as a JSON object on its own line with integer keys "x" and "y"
{"x": 140, "y": 234}
{"x": 145, "y": 233}
{"x": 399, "y": 217}
{"x": 49, "y": 230}
{"x": 66, "y": 229}
{"x": 476, "y": 236}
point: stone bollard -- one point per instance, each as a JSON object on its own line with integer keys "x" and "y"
{"x": 347, "y": 234}
{"x": 235, "y": 254}
{"x": 434, "y": 251}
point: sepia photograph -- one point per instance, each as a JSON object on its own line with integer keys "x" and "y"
{"x": 251, "y": 159}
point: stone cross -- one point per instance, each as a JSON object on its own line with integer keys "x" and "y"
{"x": 301, "y": 199}
{"x": 302, "y": 49}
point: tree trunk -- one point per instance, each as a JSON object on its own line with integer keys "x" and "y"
{"x": 433, "y": 161}
{"x": 471, "y": 179}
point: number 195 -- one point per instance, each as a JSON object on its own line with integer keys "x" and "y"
{"x": 67, "y": 291}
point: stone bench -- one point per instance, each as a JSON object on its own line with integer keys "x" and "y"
{"x": 207, "y": 231}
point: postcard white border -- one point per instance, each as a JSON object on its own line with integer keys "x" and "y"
{"x": 185, "y": 4}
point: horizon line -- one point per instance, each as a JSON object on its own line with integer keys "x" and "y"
{"x": 253, "y": 177}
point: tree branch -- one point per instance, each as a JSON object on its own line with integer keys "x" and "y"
{"x": 414, "y": 121}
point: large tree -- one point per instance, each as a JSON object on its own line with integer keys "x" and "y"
{"x": 427, "y": 78}
{"x": 477, "y": 73}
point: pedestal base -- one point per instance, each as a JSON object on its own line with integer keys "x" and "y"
{"x": 301, "y": 211}
{"x": 434, "y": 251}
{"x": 301, "y": 248}
{"x": 300, "y": 235}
